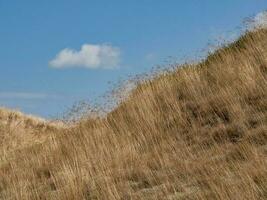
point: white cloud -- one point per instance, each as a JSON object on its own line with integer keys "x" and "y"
{"x": 150, "y": 57}
{"x": 89, "y": 56}
{"x": 259, "y": 21}
{"x": 25, "y": 95}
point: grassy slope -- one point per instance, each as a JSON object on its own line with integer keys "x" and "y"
{"x": 18, "y": 131}
{"x": 199, "y": 132}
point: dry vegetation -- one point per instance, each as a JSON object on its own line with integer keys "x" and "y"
{"x": 199, "y": 132}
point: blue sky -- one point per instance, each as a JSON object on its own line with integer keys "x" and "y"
{"x": 54, "y": 53}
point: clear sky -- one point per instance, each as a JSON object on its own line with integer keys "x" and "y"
{"x": 56, "y": 52}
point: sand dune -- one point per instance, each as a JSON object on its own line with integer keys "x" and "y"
{"x": 199, "y": 132}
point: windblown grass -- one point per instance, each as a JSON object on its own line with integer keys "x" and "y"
{"x": 199, "y": 132}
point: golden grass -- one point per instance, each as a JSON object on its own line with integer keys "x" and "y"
{"x": 199, "y": 132}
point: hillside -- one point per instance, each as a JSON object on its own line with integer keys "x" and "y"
{"x": 199, "y": 132}
{"x": 18, "y": 131}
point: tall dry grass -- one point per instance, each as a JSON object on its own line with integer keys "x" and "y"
{"x": 199, "y": 132}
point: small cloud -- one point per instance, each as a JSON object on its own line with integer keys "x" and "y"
{"x": 259, "y": 21}
{"x": 150, "y": 57}
{"x": 25, "y": 95}
{"x": 89, "y": 56}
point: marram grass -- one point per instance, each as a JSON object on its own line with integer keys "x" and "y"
{"x": 198, "y": 132}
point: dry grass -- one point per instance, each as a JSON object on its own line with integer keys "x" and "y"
{"x": 199, "y": 132}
